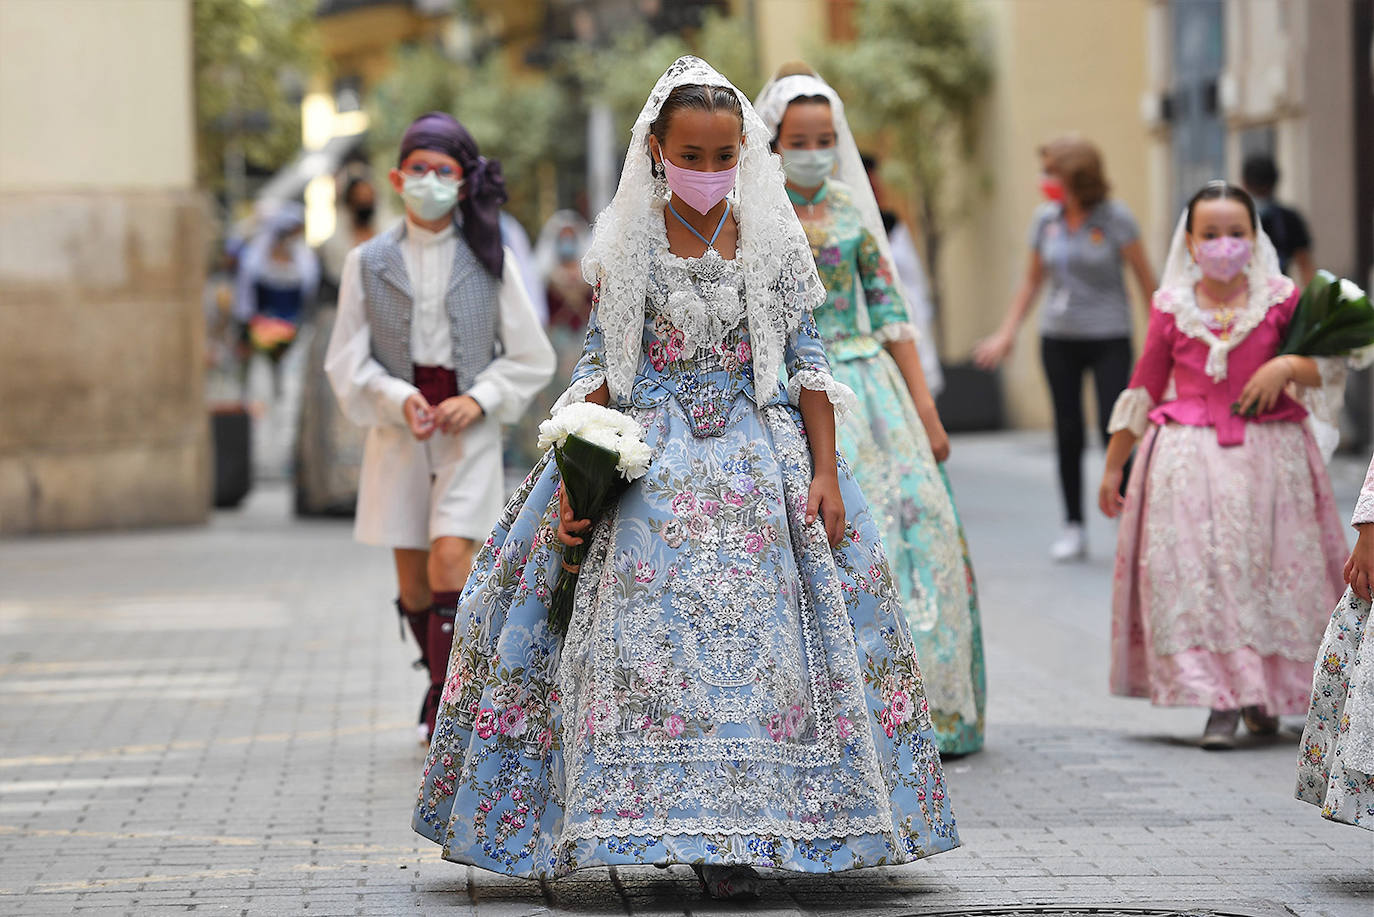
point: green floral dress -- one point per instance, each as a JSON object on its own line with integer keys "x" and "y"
{"x": 885, "y": 444}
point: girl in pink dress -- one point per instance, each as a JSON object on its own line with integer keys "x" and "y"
{"x": 1230, "y": 550}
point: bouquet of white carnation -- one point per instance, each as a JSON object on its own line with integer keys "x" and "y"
{"x": 599, "y": 452}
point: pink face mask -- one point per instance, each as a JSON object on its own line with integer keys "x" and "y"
{"x": 701, "y": 190}
{"x": 1223, "y": 258}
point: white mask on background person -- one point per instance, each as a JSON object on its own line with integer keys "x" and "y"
{"x": 808, "y": 168}
{"x": 429, "y": 197}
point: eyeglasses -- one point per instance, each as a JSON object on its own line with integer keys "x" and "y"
{"x": 420, "y": 169}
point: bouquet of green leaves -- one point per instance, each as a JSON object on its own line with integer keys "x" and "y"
{"x": 1333, "y": 319}
{"x": 599, "y": 451}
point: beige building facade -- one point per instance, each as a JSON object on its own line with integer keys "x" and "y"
{"x": 102, "y": 234}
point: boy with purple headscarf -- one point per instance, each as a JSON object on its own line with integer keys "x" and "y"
{"x": 436, "y": 344}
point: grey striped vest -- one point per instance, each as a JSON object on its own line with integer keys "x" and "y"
{"x": 471, "y": 302}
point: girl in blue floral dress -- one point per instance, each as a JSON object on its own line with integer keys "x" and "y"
{"x": 895, "y": 441}
{"x": 736, "y": 687}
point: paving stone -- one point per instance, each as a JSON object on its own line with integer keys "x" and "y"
{"x": 221, "y": 719}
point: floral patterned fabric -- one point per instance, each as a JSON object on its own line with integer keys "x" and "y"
{"x": 886, "y": 445}
{"x": 730, "y": 690}
{"x": 1211, "y": 608}
{"x": 1335, "y": 770}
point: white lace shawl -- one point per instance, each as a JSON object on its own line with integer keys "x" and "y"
{"x": 780, "y": 280}
{"x": 771, "y": 105}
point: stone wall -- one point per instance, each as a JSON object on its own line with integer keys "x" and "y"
{"x": 102, "y": 412}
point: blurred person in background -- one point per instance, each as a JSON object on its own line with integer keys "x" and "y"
{"x": 1229, "y": 550}
{"x": 278, "y": 277}
{"x": 558, "y": 258}
{"x": 894, "y": 441}
{"x": 558, "y": 261}
{"x": 356, "y": 223}
{"x": 1284, "y": 226}
{"x": 912, "y": 274}
{"x": 514, "y": 237}
{"x": 435, "y": 345}
{"x": 328, "y": 448}
{"x": 1081, "y": 242}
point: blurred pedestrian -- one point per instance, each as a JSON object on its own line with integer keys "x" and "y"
{"x": 1336, "y": 757}
{"x": 1229, "y": 550}
{"x": 912, "y": 276}
{"x": 1284, "y": 226}
{"x": 435, "y": 345}
{"x": 356, "y": 223}
{"x": 514, "y": 237}
{"x": 894, "y": 442}
{"x": 558, "y": 258}
{"x": 1081, "y": 241}
{"x": 278, "y": 277}
{"x": 735, "y": 685}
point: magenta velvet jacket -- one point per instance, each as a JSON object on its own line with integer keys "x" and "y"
{"x": 1201, "y": 400}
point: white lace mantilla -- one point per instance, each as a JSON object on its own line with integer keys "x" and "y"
{"x": 780, "y": 280}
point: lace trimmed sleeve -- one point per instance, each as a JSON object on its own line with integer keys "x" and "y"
{"x": 1364, "y": 508}
{"x": 1323, "y": 402}
{"x": 1132, "y": 411}
{"x": 809, "y": 368}
{"x": 590, "y": 372}
{"x": 887, "y": 311}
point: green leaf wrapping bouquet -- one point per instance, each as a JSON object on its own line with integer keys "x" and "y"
{"x": 1333, "y": 319}
{"x": 599, "y": 451}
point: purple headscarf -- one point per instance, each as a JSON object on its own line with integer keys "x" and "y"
{"x": 486, "y": 189}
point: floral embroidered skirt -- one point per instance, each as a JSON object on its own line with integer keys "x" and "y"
{"x": 730, "y": 690}
{"x": 909, "y": 495}
{"x": 1336, "y": 763}
{"x": 1228, "y": 562}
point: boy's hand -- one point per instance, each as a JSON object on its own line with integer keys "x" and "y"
{"x": 419, "y": 417}
{"x": 456, "y": 414}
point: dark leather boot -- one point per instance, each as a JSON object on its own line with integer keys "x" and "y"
{"x": 438, "y": 644}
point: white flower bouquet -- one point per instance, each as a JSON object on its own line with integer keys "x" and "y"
{"x": 599, "y": 451}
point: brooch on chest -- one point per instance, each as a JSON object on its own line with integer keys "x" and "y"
{"x": 710, "y": 267}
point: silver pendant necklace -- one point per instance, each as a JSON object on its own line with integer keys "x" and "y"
{"x": 710, "y": 267}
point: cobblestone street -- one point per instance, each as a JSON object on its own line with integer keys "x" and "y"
{"x": 221, "y": 720}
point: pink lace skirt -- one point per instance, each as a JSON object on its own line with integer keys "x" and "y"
{"x": 1228, "y": 562}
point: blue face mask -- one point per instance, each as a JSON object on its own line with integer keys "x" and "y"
{"x": 566, "y": 249}
{"x": 429, "y": 197}
{"x": 808, "y": 168}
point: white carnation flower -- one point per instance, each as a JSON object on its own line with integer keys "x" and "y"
{"x": 600, "y": 426}
{"x": 1349, "y": 291}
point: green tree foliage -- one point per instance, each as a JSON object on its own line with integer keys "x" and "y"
{"x": 913, "y": 81}
{"x": 247, "y": 55}
{"x": 622, "y": 73}
{"x": 513, "y": 120}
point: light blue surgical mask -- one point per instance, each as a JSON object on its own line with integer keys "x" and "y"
{"x": 429, "y": 197}
{"x": 808, "y": 168}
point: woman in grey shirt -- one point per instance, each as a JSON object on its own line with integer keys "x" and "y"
{"x": 1081, "y": 240}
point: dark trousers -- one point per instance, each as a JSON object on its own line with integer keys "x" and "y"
{"x": 1065, "y": 362}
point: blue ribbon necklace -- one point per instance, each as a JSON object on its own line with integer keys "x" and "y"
{"x": 710, "y": 266}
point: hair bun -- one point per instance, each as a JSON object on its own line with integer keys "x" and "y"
{"x": 794, "y": 68}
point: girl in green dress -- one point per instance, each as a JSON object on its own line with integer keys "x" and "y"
{"x": 895, "y": 442}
